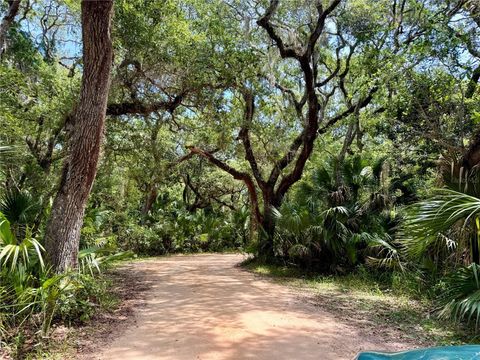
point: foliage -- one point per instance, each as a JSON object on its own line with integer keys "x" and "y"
{"x": 462, "y": 296}
{"x": 440, "y": 223}
{"x": 397, "y": 92}
{"x": 17, "y": 253}
{"x": 175, "y": 229}
{"x": 441, "y": 233}
{"x": 331, "y": 221}
{"x": 31, "y": 297}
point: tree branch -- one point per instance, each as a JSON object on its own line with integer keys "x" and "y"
{"x": 285, "y": 160}
{"x": 7, "y": 21}
{"x": 264, "y": 21}
{"x": 238, "y": 175}
{"x": 350, "y": 110}
{"x": 245, "y": 136}
{"x": 140, "y": 108}
{"x": 322, "y": 15}
{"x": 472, "y": 83}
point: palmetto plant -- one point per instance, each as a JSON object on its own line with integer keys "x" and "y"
{"x": 26, "y": 293}
{"x": 20, "y": 209}
{"x": 462, "y": 297}
{"x": 21, "y": 263}
{"x": 447, "y": 221}
{"x": 331, "y": 219}
{"x": 444, "y": 231}
{"x": 16, "y": 252}
{"x": 27, "y": 287}
{"x": 92, "y": 259}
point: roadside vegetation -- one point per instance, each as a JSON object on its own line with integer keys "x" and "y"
{"x": 388, "y": 305}
{"x": 335, "y": 138}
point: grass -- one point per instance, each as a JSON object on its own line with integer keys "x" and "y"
{"x": 389, "y": 306}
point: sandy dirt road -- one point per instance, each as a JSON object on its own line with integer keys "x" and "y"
{"x": 205, "y": 307}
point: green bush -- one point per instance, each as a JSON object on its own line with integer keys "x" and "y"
{"x": 87, "y": 294}
{"x": 337, "y": 217}
{"x": 31, "y": 297}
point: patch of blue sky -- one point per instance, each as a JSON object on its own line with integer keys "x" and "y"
{"x": 53, "y": 26}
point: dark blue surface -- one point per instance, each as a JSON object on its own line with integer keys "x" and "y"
{"x": 467, "y": 352}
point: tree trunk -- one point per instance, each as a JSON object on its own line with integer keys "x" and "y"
{"x": 268, "y": 223}
{"x": 62, "y": 236}
{"x": 150, "y": 199}
{"x": 7, "y": 22}
{"x": 349, "y": 137}
{"x": 266, "y": 235}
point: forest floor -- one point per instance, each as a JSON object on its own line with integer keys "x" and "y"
{"x": 208, "y": 307}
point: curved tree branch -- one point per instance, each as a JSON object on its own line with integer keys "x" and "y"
{"x": 350, "y": 110}
{"x": 140, "y": 108}
{"x": 264, "y": 21}
{"x": 238, "y": 175}
{"x": 244, "y": 136}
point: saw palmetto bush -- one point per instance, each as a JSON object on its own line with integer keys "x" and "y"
{"x": 174, "y": 229}
{"x": 441, "y": 235}
{"x": 21, "y": 266}
{"x": 31, "y": 296}
{"x": 18, "y": 252}
{"x": 337, "y": 215}
{"x": 21, "y": 210}
{"x": 444, "y": 226}
{"x": 462, "y": 296}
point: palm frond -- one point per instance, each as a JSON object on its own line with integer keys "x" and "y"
{"x": 387, "y": 256}
{"x": 429, "y": 221}
{"x": 19, "y": 207}
{"x": 14, "y": 252}
{"x": 463, "y": 295}
{"x": 91, "y": 259}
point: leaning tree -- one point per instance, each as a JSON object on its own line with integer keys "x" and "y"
{"x": 86, "y": 130}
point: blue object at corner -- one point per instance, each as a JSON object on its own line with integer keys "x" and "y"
{"x": 467, "y": 352}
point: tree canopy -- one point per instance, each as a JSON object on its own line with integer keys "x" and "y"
{"x": 302, "y": 131}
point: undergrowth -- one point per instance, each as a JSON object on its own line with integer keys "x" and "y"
{"x": 394, "y": 304}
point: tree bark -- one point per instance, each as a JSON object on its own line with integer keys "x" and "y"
{"x": 7, "y": 21}
{"x": 62, "y": 236}
{"x": 266, "y": 246}
{"x": 266, "y": 237}
{"x": 150, "y": 199}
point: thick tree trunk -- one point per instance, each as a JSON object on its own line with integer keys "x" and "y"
{"x": 7, "y": 21}
{"x": 63, "y": 229}
{"x": 268, "y": 222}
{"x": 266, "y": 236}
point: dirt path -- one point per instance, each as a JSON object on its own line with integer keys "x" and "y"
{"x": 204, "y": 307}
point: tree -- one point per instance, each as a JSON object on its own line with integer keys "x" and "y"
{"x": 306, "y": 57}
{"x": 62, "y": 235}
{"x": 13, "y": 7}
